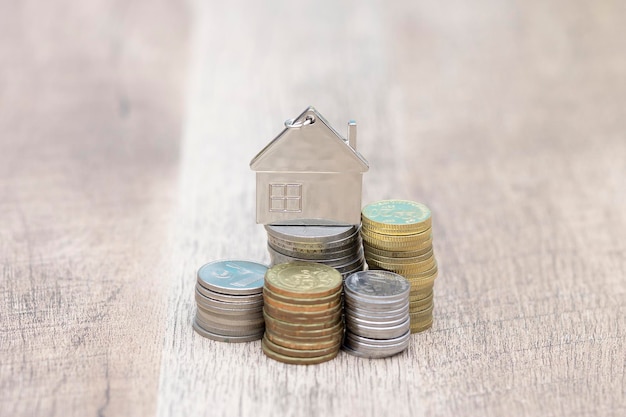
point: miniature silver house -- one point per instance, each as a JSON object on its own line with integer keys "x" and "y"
{"x": 309, "y": 174}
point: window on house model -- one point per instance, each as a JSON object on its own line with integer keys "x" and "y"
{"x": 286, "y": 198}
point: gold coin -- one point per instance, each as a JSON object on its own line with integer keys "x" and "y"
{"x": 299, "y": 353}
{"x": 301, "y": 301}
{"x": 401, "y": 269}
{"x": 420, "y": 294}
{"x": 303, "y": 280}
{"x": 397, "y": 216}
{"x": 420, "y": 327}
{"x": 268, "y": 300}
{"x": 371, "y": 250}
{"x": 421, "y": 304}
{"x": 306, "y": 317}
{"x": 301, "y": 344}
{"x": 297, "y": 361}
{"x": 420, "y": 314}
{"x": 278, "y": 327}
{"x": 401, "y": 261}
{"x": 409, "y": 239}
{"x": 302, "y": 325}
{"x": 398, "y": 246}
{"x": 424, "y": 275}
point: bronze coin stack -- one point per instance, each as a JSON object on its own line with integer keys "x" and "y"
{"x": 303, "y": 313}
{"x": 397, "y": 237}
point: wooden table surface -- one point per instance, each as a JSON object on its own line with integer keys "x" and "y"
{"x": 126, "y": 129}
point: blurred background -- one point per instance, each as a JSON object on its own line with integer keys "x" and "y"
{"x": 126, "y": 129}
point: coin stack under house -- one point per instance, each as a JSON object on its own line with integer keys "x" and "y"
{"x": 229, "y": 297}
{"x": 397, "y": 237}
{"x": 377, "y": 314}
{"x": 336, "y": 246}
{"x": 302, "y": 310}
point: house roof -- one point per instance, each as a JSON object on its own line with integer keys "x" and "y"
{"x": 309, "y": 147}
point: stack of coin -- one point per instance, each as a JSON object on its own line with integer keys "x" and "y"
{"x": 302, "y": 313}
{"x": 397, "y": 237}
{"x": 229, "y": 297}
{"x": 336, "y": 246}
{"x": 377, "y": 314}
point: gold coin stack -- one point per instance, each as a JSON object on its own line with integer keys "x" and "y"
{"x": 302, "y": 310}
{"x": 397, "y": 237}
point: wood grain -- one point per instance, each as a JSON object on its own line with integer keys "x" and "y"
{"x": 127, "y": 129}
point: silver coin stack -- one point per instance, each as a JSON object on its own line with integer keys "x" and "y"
{"x": 376, "y": 314}
{"x": 229, "y": 297}
{"x": 337, "y": 246}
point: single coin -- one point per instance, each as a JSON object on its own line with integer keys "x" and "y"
{"x": 303, "y": 325}
{"x": 377, "y": 285}
{"x": 229, "y": 298}
{"x": 397, "y": 216}
{"x": 299, "y": 353}
{"x": 303, "y": 280}
{"x": 296, "y": 361}
{"x": 230, "y": 339}
{"x": 302, "y": 345}
{"x": 232, "y": 277}
{"x": 373, "y": 251}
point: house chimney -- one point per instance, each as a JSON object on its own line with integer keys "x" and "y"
{"x": 352, "y": 134}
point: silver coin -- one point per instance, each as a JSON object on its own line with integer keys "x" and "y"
{"x": 209, "y": 307}
{"x": 382, "y": 324}
{"x": 380, "y": 318}
{"x": 377, "y": 285}
{"x": 316, "y": 247}
{"x": 374, "y": 351}
{"x": 234, "y": 321}
{"x": 232, "y": 277}
{"x": 336, "y": 250}
{"x": 375, "y": 306}
{"x": 279, "y": 258}
{"x": 311, "y": 233}
{"x": 230, "y": 329}
{"x": 221, "y": 338}
{"x": 229, "y": 298}
{"x": 208, "y": 301}
{"x": 355, "y": 338}
{"x": 315, "y": 256}
{"x": 379, "y": 333}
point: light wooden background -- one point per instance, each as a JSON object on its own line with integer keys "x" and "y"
{"x": 126, "y": 129}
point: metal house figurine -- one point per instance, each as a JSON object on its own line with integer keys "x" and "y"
{"x": 309, "y": 174}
